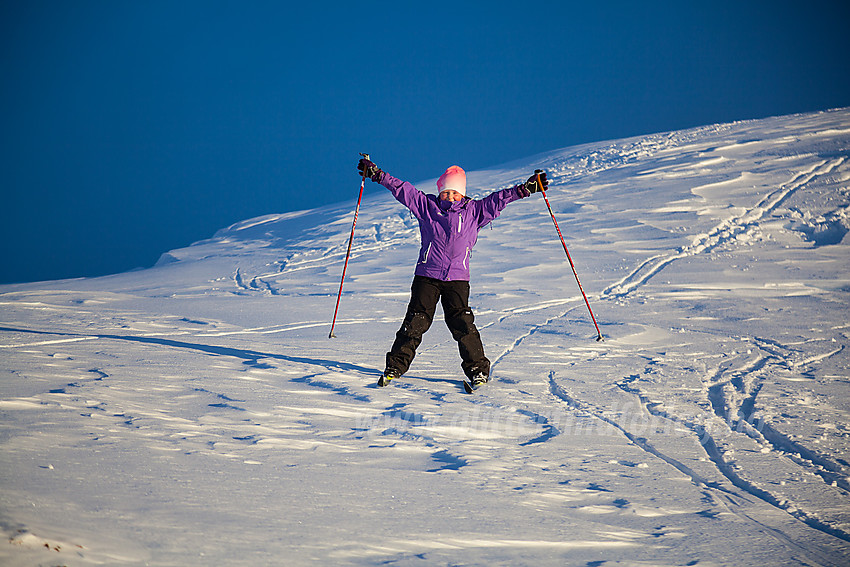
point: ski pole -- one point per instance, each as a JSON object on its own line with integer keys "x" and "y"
{"x": 348, "y": 252}
{"x": 537, "y": 173}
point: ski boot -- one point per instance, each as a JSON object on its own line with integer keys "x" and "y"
{"x": 476, "y": 382}
{"x": 388, "y": 375}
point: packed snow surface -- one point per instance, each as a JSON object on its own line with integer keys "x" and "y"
{"x": 196, "y": 413}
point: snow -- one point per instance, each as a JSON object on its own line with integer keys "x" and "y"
{"x": 197, "y": 413}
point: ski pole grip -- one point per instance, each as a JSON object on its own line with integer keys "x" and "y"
{"x": 365, "y": 156}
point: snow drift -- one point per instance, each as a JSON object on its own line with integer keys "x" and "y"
{"x": 197, "y": 413}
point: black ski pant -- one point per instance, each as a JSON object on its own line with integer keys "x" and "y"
{"x": 454, "y": 296}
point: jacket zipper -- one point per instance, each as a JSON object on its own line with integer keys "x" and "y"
{"x": 466, "y": 257}
{"x": 459, "y": 221}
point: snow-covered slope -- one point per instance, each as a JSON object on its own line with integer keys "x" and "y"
{"x": 197, "y": 413}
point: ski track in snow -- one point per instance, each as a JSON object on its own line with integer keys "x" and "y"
{"x": 719, "y": 391}
{"x": 252, "y": 396}
{"x": 721, "y": 234}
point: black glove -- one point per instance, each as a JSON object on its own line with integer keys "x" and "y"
{"x": 532, "y": 186}
{"x": 368, "y": 169}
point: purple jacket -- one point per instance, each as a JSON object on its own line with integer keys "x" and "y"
{"x": 449, "y": 229}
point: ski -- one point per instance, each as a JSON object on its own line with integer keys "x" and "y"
{"x": 471, "y": 385}
{"x": 386, "y": 378}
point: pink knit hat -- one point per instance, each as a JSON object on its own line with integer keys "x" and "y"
{"x": 453, "y": 178}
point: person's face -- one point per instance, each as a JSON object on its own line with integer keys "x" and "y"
{"x": 450, "y": 195}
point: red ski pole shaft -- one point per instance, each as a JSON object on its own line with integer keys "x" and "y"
{"x": 331, "y": 335}
{"x": 558, "y": 228}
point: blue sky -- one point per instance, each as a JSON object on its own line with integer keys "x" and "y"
{"x": 130, "y": 128}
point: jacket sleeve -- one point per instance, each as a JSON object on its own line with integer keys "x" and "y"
{"x": 405, "y": 193}
{"x": 492, "y": 204}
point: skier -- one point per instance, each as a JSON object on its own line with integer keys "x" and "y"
{"x": 448, "y": 223}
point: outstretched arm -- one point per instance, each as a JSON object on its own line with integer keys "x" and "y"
{"x": 493, "y": 203}
{"x": 404, "y": 192}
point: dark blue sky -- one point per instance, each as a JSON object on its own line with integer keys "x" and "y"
{"x": 130, "y": 128}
